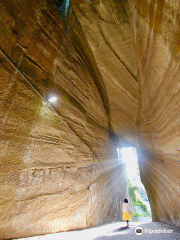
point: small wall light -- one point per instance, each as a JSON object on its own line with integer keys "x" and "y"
{"x": 52, "y": 99}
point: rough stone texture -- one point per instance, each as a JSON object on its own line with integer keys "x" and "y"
{"x": 107, "y": 29}
{"x": 58, "y": 168}
{"x": 157, "y": 35}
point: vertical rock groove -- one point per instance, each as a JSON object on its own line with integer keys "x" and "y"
{"x": 114, "y": 67}
{"x": 156, "y": 28}
{"x": 52, "y": 179}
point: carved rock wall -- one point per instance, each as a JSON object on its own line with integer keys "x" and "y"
{"x": 108, "y": 31}
{"x": 157, "y": 36}
{"x": 58, "y": 167}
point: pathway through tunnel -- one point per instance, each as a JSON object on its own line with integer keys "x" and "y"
{"x": 140, "y": 207}
{"x": 117, "y": 231}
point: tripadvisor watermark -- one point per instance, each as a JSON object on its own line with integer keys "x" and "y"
{"x": 140, "y": 231}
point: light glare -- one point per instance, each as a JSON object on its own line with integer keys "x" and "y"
{"x": 129, "y": 155}
{"x": 52, "y": 99}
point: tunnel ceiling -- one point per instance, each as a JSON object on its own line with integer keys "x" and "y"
{"x": 114, "y": 67}
{"x": 107, "y": 29}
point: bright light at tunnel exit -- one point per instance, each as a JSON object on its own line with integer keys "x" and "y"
{"x": 129, "y": 155}
{"x": 138, "y": 197}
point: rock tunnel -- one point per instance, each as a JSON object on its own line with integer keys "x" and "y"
{"x": 114, "y": 67}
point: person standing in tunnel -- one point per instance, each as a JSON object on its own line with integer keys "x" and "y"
{"x": 126, "y": 211}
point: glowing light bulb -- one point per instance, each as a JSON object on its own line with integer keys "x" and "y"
{"x": 52, "y": 99}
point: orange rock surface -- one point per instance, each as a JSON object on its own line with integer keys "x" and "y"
{"x": 59, "y": 168}
{"x": 114, "y": 67}
{"x": 156, "y": 31}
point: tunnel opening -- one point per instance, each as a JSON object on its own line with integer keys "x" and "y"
{"x": 140, "y": 207}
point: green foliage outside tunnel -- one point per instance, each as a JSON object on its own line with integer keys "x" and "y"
{"x": 140, "y": 207}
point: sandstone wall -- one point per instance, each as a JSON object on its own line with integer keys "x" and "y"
{"x": 107, "y": 28}
{"x": 58, "y": 168}
{"x": 157, "y": 36}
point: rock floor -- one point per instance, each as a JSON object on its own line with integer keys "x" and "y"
{"x": 116, "y": 231}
